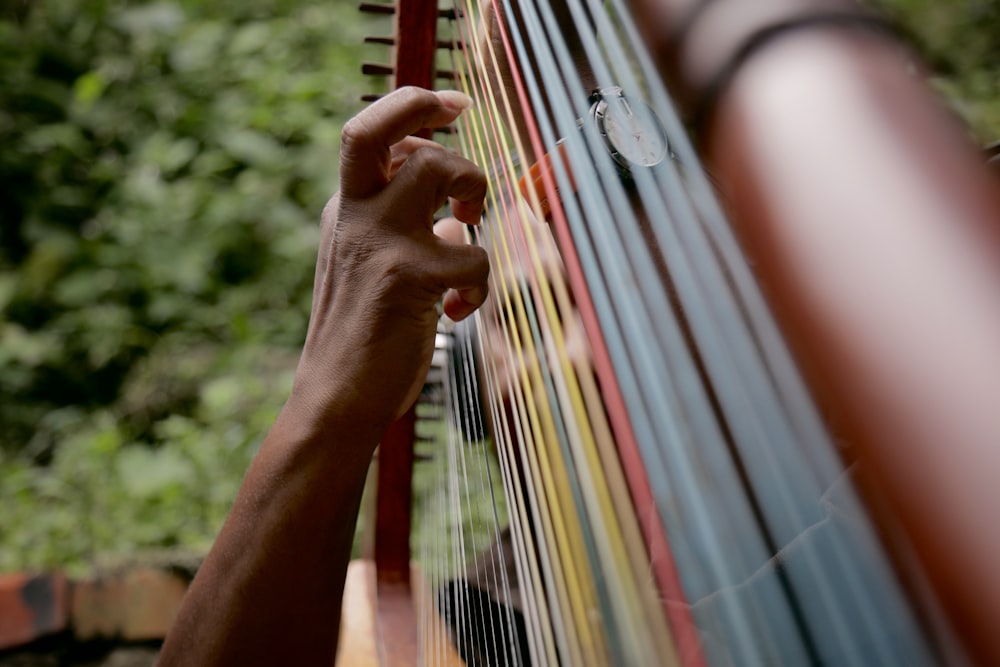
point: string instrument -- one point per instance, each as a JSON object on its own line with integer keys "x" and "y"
{"x": 628, "y": 468}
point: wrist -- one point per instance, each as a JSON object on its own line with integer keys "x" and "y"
{"x": 321, "y": 419}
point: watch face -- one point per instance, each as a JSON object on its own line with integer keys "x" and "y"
{"x": 631, "y": 129}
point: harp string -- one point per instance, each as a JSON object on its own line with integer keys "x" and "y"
{"x": 541, "y": 458}
{"x": 766, "y": 537}
{"x": 508, "y": 306}
{"x": 844, "y": 599}
{"x": 534, "y": 325}
{"x": 509, "y": 643}
{"x": 523, "y": 563}
{"x": 601, "y": 294}
{"x": 539, "y": 465}
{"x": 614, "y": 539}
{"x": 662, "y": 564}
{"x": 605, "y": 293}
{"x": 694, "y": 405}
{"x": 573, "y": 436}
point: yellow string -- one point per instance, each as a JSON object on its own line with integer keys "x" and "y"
{"x": 607, "y": 503}
{"x": 582, "y": 408}
{"x": 573, "y": 588}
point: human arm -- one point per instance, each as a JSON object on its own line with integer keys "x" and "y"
{"x": 273, "y": 581}
{"x": 873, "y": 226}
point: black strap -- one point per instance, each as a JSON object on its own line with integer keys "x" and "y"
{"x": 769, "y": 34}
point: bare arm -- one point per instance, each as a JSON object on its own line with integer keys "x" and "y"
{"x": 873, "y": 225}
{"x": 874, "y": 228}
{"x": 272, "y": 583}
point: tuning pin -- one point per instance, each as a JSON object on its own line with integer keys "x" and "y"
{"x": 375, "y": 69}
{"x": 383, "y": 8}
{"x": 443, "y": 44}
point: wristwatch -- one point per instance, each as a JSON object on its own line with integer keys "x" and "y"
{"x": 631, "y": 132}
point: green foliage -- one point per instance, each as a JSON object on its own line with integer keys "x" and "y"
{"x": 163, "y": 171}
{"x": 103, "y": 495}
{"x": 458, "y": 500}
{"x": 959, "y": 39}
{"x": 163, "y": 168}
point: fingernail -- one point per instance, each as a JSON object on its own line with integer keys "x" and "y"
{"x": 455, "y": 99}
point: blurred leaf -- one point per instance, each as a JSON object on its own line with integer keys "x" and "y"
{"x": 164, "y": 169}
{"x": 254, "y": 148}
{"x": 63, "y": 136}
{"x": 250, "y": 38}
{"x": 89, "y": 87}
{"x": 146, "y": 473}
{"x": 199, "y": 47}
{"x": 153, "y": 17}
{"x": 49, "y": 259}
{"x": 168, "y": 153}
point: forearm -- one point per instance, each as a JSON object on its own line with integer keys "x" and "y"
{"x": 275, "y": 576}
{"x": 873, "y": 228}
{"x": 271, "y": 587}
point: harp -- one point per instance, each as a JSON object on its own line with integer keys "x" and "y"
{"x": 672, "y": 495}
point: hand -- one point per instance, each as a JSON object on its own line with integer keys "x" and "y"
{"x": 381, "y": 269}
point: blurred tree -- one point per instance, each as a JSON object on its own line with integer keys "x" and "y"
{"x": 163, "y": 171}
{"x": 164, "y": 164}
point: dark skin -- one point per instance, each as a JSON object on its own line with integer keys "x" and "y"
{"x": 275, "y": 576}
{"x": 911, "y": 383}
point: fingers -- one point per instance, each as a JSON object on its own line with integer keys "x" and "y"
{"x": 461, "y": 302}
{"x": 451, "y": 230}
{"x": 431, "y": 177}
{"x": 366, "y": 158}
{"x": 466, "y": 269}
{"x": 395, "y": 182}
{"x": 402, "y": 150}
